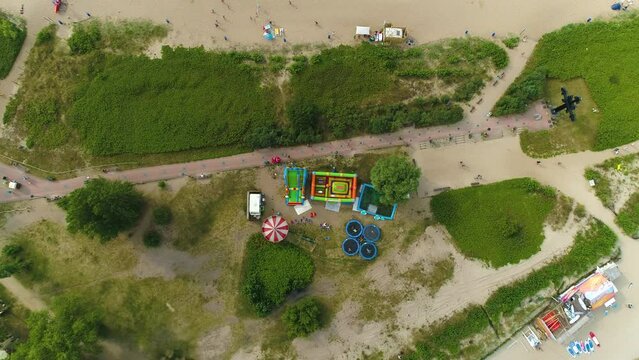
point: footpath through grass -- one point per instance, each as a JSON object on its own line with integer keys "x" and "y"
{"x": 451, "y": 337}
{"x": 604, "y": 54}
{"x": 500, "y": 223}
{"x": 13, "y": 31}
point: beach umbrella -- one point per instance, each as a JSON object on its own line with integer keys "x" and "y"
{"x": 275, "y": 229}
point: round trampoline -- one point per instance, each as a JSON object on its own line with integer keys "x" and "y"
{"x": 372, "y": 233}
{"x": 368, "y": 251}
{"x": 354, "y": 228}
{"x": 350, "y": 247}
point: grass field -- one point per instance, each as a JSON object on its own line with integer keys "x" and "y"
{"x": 452, "y": 338}
{"x": 604, "y": 58}
{"x": 12, "y": 34}
{"x": 500, "y": 223}
{"x": 565, "y": 136}
{"x": 138, "y": 313}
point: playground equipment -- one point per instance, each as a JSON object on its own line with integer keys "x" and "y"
{"x": 372, "y": 233}
{"x": 369, "y": 204}
{"x": 295, "y": 180}
{"x": 354, "y": 228}
{"x": 333, "y": 187}
{"x": 275, "y": 229}
{"x": 368, "y": 251}
{"x": 350, "y": 246}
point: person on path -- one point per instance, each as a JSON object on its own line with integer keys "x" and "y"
{"x": 316, "y": 23}
{"x": 538, "y": 162}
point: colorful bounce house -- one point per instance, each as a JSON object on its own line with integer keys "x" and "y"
{"x": 361, "y": 240}
{"x": 369, "y": 204}
{"x": 333, "y": 187}
{"x": 295, "y": 180}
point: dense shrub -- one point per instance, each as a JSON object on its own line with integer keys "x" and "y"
{"x": 152, "y": 238}
{"x": 602, "y": 187}
{"x": 272, "y": 271}
{"x": 499, "y": 223}
{"x": 85, "y": 38}
{"x": 12, "y": 35}
{"x": 303, "y": 318}
{"x": 511, "y": 42}
{"x": 12, "y": 260}
{"x": 303, "y": 118}
{"x": 162, "y": 215}
{"x": 189, "y": 99}
{"x": 528, "y": 86}
{"x": 46, "y": 35}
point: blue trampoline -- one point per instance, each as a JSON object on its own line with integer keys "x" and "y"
{"x": 350, "y": 247}
{"x": 368, "y": 251}
{"x": 372, "y": 233}
{"x": 354, "y": 228}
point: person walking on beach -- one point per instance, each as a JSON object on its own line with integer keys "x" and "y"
{"x": 316, "y": 23}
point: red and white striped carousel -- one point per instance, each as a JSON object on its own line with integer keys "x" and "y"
{"x": 275, "y": 229}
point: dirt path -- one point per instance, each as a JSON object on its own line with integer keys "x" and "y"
{"x": 27, "y": 297}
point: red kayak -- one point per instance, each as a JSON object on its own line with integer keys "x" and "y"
{"x": 594, "y": 338}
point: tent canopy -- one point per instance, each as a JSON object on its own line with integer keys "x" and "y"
{"x": 275, "y": 229}
{"x": 362, "y": 30}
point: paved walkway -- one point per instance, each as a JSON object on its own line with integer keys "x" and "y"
{"x": 34, "y": 187}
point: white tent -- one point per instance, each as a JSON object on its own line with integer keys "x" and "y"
{"x": 362, "y": 30}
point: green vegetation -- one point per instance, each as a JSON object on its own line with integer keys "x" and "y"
{"x": 12, "y": 34}
{"x": 151, "y": 313}
{"x": 628, "y": 217}
{"x": 511, "y": 42}
{"x": 565, "y": 136}
{"x": 71, "y": 334}
{"x": 132, "y": 106}
{"x": 395, "y": 178}
{"x": 303, "y": 318}
{"x": 602, "y": 187}
{"x": 85, "y": 38}
{"x": 162, "y": 215}
{"x": 272, "y": 271}
{"x": 448, "y": 338}
{"x": 500, "y": 223}
{"x": 102, "y": 208}
{"x": 608, "y": 75}
{"x": 152, "y": 238}
{"x": 12, "y": 260}
{"x": 437, "y": 275}
{"x": 558, "y": 218}
{"x": 93, "y": 106}
{"x": 13, "y": 321}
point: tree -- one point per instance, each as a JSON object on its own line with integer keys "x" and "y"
{"x": 394, "y": 178}
{"x": 152, "y": 239}
{"x": 162, "y": 215}
{"x": 71, "y": 334}
{"x": 303, "y": 317}
{"x": 102, "y": 208}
